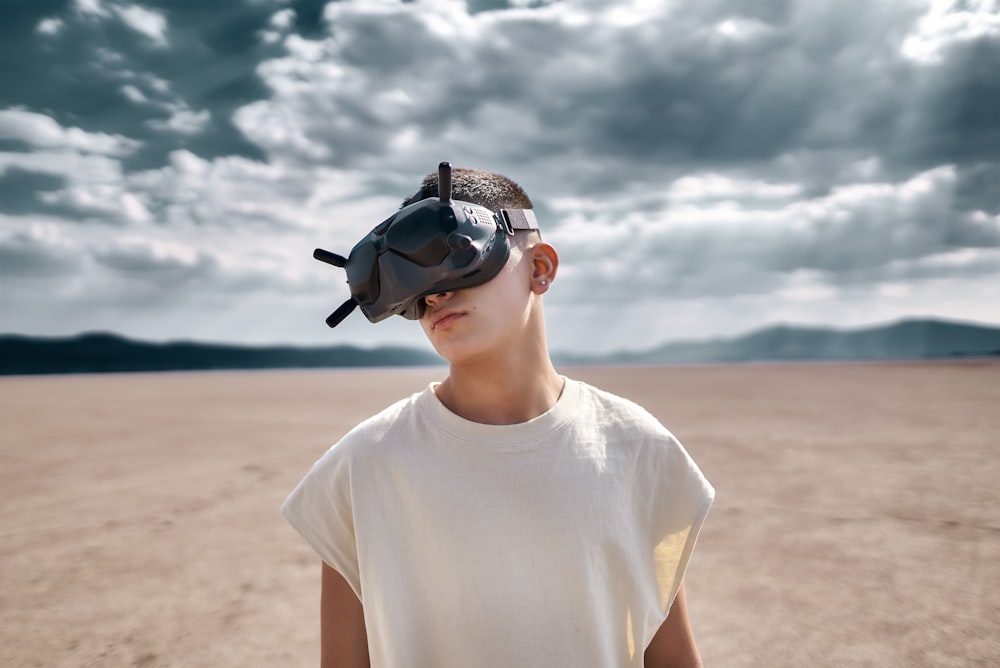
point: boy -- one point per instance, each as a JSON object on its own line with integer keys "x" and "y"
{"x": 506, "y": 516}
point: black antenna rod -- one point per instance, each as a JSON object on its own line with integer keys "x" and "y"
{"x": 329, "y": 258}
{"x": 444, "y": 182}
{"x": 342, "y": 312}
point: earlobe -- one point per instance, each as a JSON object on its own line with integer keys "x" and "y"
{"x": 545, "y": 262}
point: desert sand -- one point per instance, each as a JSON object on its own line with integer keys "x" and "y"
{"x": 857, "y": 521}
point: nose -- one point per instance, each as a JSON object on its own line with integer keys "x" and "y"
{"x": 438, "y": 297}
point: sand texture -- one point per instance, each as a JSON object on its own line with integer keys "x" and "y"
{"x": 857, "y": 521}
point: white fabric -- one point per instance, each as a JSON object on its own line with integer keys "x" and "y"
{"x": 556, "y": 542}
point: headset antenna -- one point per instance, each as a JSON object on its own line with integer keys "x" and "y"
{"x": 444, "y": 182}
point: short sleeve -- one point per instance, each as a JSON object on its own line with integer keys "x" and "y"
{"x": 683, "y": 499}
{"x": 320, "y": 509}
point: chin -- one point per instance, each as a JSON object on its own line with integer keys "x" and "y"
{"x": 457, "y": 351}
{"x": 451, "y": 353}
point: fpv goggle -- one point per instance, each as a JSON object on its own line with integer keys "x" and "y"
{"x": 428, "y": 247}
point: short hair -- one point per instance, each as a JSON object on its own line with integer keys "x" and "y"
{"x": 494, "y": 191}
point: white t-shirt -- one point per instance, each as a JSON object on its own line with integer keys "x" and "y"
{"x": 560, "y": 541}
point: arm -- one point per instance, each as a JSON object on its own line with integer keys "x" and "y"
{"x": 343, "y": 638}
{"x": 673, "y": 645}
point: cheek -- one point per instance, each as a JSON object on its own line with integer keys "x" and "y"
{"x": 513, "y": 284}
{"x": 507, "y": 310}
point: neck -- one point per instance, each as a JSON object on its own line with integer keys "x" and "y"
{"x": 502, "y": 389}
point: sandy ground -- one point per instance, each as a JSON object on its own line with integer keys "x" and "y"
{"x": 857, "y": 521}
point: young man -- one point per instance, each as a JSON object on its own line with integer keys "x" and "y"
{"x": 506, "y": 516}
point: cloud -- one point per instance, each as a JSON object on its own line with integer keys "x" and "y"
{"x": 156, "y": 260}
{"x": 183, "y": 120}
{"x": 50, "y": 26}
{"x": 41, "y": 131}
{"x": 105, "y": 201}
{"x": 91, "y": 7}
{"x": 704, "y": 246}
{"x": 279, "y": 25}
{"x": 86, "y": 166}
{"x": 20, "y": 189}
{"x": 37, "y": 250}
{"x": 646, "y": 90}
{"x": 173, "y": 86}
{"x": 713, "y": 162}
{"x": 147, "y": 22}
{"x": 234, "y": 192}
{"x": 134, "y": 94}
{"x": 948, "y": 22}
{"x": 957, "y": 264}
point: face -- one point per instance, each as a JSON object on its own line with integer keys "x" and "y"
{"x": 466, "y": 324}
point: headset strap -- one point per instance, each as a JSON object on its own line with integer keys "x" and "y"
{"x": 516, "y": 219}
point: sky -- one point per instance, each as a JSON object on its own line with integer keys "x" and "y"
{"x": 704, "y": 168}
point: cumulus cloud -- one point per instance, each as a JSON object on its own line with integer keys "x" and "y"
{"x": 949, "y": 21}
{"x": 643, "y": 89}
{"x": 41, "y": 131}
{"x": 91, "y": 7}
{"x": 705, "y": 246}
{"x": 279, "y": 25}
{"x": 707, "y": 165}
{"x": 238, "y": 193}
{"x": 134, "y": 94}
{"x": 147, "y": 22}
{"x": 106, "y": 201}
{"x": 86, "y": 166}
{"x": 156, "y": 260}
{"x": 50, "y": 26}
{"x": 183, "y": 120}
{"x": 36, "y": 250}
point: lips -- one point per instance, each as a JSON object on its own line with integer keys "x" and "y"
{"x": 444, "y": 319}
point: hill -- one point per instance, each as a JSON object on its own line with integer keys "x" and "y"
{"x": 907, "y": 339}
{"x": 102, "y": 352}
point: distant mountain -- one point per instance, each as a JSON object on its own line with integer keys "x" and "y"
{"x": 908, "y": 339}
{"x": 100, "y": 353}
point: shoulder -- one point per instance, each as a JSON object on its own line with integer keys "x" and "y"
{"x": 657, "y": 465}
{"x": 664, "y": 468}
{"x": 358, "y": 447}
{"x": 369, "y": 438}
{"x": 376, "y": 426}
{"x": 380, "y": 427}
{"x": 614, "y": 411}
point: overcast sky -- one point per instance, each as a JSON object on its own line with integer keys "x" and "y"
{"x": 705, "y": 167}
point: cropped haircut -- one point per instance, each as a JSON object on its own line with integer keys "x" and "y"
{"x": 494, "y": 191}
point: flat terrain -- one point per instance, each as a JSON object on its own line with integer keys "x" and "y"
{"x": 857, "y": 521}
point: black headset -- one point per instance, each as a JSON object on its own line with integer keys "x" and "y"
{"x": 430, "y": 246}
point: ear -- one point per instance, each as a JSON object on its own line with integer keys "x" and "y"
{"x": 544, "y": 264}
